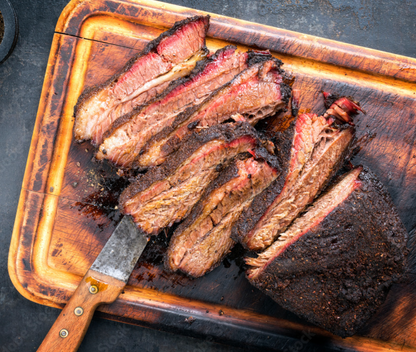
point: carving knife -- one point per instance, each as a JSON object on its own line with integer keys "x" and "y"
{"x": 102, "y": 284}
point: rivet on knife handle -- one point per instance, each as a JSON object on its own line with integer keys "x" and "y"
{"x": 69, "y": 329}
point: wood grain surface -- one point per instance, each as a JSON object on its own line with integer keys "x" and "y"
{"x": 67, "y": 208}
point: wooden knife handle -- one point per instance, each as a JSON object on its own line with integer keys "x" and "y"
{"x": 69, "y": 329}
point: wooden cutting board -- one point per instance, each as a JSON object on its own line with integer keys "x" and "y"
{"x": 67, "y": 208}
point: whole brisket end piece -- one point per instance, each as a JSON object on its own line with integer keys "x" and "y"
{"x": 204, "y": 238}
{"x": 318, "y": 149}
{"x": 173, "y": 54}
{"x": 128, "y": 134}
{"x": 336, "y": 263}
{"x": 255, "y": 93}
{"x": 167, "y": 193}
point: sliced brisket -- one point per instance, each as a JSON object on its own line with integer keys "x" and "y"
{"x": 255, "y": 93}
{"x": 173, "y": 54}
{"x": 311, "y": 151}
{"x": 167, "y": 193}
{"x": 128, "y": 134}
{"x": 204, "y": 238}
{"x": 335, "y": 264}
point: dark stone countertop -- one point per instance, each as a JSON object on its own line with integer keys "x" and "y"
{"x": 387, "y": 25}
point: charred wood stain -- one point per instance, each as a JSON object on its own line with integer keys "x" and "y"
{"x": 26, "y": 265}
{"x": 57, "y": 250}
{"x": 39, "y": 179}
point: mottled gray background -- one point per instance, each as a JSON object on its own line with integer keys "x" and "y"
{"x": 383, "y": 25}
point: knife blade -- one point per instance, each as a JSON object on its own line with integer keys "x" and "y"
{"x": 102, "y": 284}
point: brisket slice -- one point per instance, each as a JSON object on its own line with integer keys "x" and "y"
{"x": 255, "y": 93}
{"x": 173, "y": 54}
{"x": 128, "y": 134}
{"x": 318, "y": 147}
{"x": 204, "y": 238}
{"x": 337, "y": 106}
{"x": 335, "y": 264}
{"x": 167, "y": 193}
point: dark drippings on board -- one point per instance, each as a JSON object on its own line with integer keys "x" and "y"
{"x": 236, "y": 255}
{"x": 105, "y": 200}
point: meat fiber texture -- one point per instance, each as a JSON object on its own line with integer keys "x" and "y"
{"x": 335, "y": 268}
{"x": 311, "y": 151}
{"x": 255, "y": 93}
{"x": 173, "y": 54}
{"x": 204, "y": 238}
{"x": 167, "y": 193}
{"x": 127, "y": 135}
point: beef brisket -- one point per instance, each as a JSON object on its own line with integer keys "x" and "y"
{"x": 128, "y": 134}
{"x": 311, "y": 151}
{"x": 204, "y": 238}
{"x": 255, "y": 93}
{"x": 167, "y": 193}
{"x": 173, "y": 54}
{"x": 335, "y": 264}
